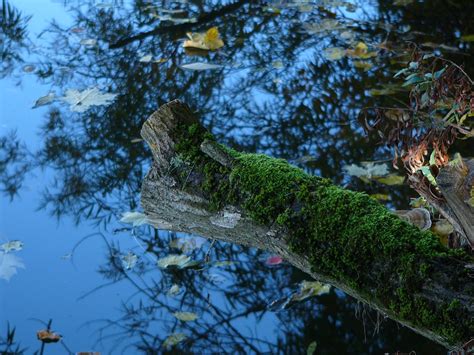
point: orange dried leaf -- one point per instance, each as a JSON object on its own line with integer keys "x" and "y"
{"x": 47, "y": 336}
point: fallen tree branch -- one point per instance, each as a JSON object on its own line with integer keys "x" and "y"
{"x": 337, "y": 236}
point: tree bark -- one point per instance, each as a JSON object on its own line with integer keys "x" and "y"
{"x": 340, "y": 237}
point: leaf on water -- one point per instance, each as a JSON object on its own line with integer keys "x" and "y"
{"x": 390, "y": 179}
{"x": 174, "y": 339}
{"x": 180, "y": 261}
{"x": 306, "y": 290}
{"x": 277, "y": 64}
{"x": 201, "y": 66}
{"x": 334, "y": 53}
{"x": 311, "y": 348}
{"x": 9, "y": 263}
{"x": 274, "y": 260}
{"x": 325, "y": 25}
{"x": 14, "y": 245}
{"x": 210, "y": 40}
{"x": 468, "y": 38}
{"x": 45, "y": 100}
{"x": 361, "y": 51}
{"x": 186, "y": 316}
{"x": 172, "y": 11}
{"x": 187, "y": 244}
{"x": 81, "y": 101}
{"x": 368, "y": 170}
{"x": 47, "y": 336}
{"x": 29, "y": 68}
{"x": 311, "y": 289}
{"x": 129, "y": 260}
{"x": 135, "y": 218}
{"x": 177, "y": 20}
{"x": 146, "y": 58}
{"x": 77, "y": 30}
{"x": 173, "y": 291}
{"x": 88, "y": 42}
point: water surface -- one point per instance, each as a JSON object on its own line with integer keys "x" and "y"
{"x": 68, "y": 176}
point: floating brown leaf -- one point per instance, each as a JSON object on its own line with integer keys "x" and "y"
{"x": 47, "y": 336}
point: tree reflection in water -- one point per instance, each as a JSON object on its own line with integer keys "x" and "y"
{"x": 276, "y": 94}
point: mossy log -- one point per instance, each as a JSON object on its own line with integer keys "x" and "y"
{"x": 337, "y": 236}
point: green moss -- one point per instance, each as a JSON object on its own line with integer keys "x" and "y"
{"x": 346, "y": 235}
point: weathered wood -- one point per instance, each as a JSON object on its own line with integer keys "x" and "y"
{"x": 339, "y": 237}
{"x": 455, "y": 181}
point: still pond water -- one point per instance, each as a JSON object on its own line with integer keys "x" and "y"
{"x": 285, "y": 86}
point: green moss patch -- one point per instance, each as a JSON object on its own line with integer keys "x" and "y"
{"x": 346, "y": 235}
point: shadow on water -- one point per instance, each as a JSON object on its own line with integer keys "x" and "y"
{"x": 277, "y": 93}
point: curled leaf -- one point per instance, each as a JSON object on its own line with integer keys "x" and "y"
{"x": 210, "y": 40}
{"x": 45, "y": 100}
{"x": 47, "y": 336}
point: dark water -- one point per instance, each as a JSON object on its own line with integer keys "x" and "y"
{"x": 68, "y": 176}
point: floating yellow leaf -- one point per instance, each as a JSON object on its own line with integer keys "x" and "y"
{"x": 361, "y": 51}
{"x": 209, "y": 41}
